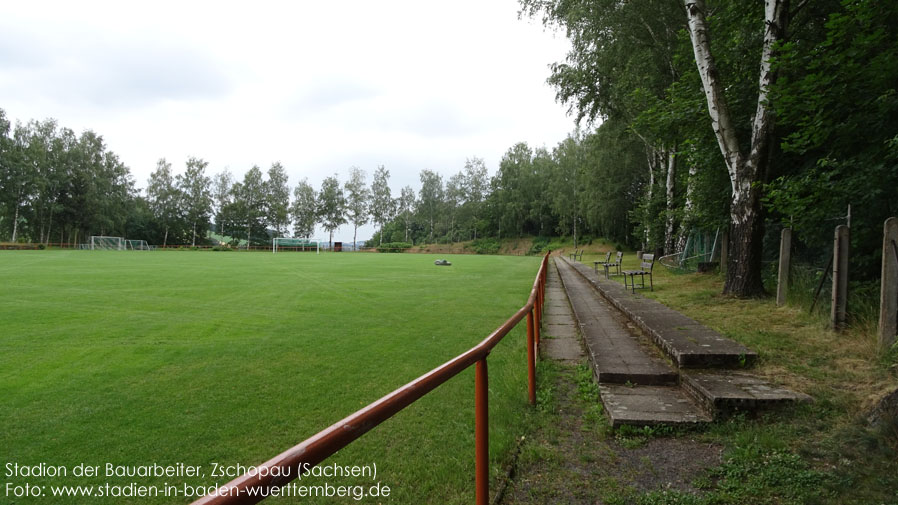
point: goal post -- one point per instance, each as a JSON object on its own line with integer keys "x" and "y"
{"x": 295, "y": 244}
{"x": 137, "y": 245}
{"x": 104, "y": 243}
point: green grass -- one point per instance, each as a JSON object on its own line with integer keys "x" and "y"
{"x": 199, "y": 357}
{"x": 824, "y": 452}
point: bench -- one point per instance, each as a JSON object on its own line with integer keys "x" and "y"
{"x": 576, "y": 255}
{"x": 613, "y": 264}
{"x": 648, "y": 261}
{"x": 595, "y": 264}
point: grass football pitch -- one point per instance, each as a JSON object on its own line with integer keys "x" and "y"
{"x": 133, "y": 359}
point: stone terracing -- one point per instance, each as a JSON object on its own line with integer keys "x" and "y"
{"x": 636, "y": 384}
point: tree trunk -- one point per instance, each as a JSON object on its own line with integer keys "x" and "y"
{"x": 15, "y": 223}
{"x": 194, "y": 234}
{"x": 647, "y": 232}
{"x": 355, "y": 229}
{"x": 669, "y": 237}
{"x": 745, "y": 245}
{"x": 746, "y": 172}
{"x": 687, "y": 209}
{"x": 165, "y": 239}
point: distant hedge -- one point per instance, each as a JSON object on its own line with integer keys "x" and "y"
{"x": 396, "y": 247}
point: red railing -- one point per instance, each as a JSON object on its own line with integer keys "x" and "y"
{"x": 318, "y": 447}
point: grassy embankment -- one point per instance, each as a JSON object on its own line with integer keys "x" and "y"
{"x": 824, "y": 452}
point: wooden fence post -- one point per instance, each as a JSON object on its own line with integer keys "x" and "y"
{"x": 838, "y": 314}
{"x": 888, "y": 296}
{"x": 782, "y": 281}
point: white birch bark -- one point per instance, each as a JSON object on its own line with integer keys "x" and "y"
{"x": 744, "y": 279}
{"x": 669, "y": 194}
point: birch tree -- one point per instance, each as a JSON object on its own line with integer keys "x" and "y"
{"x": 477, "y": 185}
{"x": 357, "y": 196}
{"x": 331, "y": 206}
{"x": 304, "y": 210}
{"x": 164, "y": 196}
{"x": 277, "y": 195}
{"x": 382, "y": 204}
{"x": 746, "y": 168}
{"x": 196, "y": 193}
{"x": 405, "y": 207}
{"x": 430, "y": 198}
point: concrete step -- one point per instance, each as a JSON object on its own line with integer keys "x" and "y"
{"x": 688, "y": 343}
{"x": 618, "y": 354}
{"x": 650, "y": 405}
{"x": 560, "y": 339}
{"x": 726, "y": 392}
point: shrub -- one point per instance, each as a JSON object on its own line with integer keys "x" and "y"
{"x": 393, "y": 247}
{"x": 41, "y": 247}
{"x": 485, "y": 246}
{"x": 540, "y": 244}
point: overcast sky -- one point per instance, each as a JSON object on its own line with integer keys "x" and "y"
{"x": 318, "y": 86}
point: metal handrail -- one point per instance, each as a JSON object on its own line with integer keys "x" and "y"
{"x": 326, "y": 442}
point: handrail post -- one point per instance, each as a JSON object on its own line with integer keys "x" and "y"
{"x": 531, "y": 361}
{"x": 481, "y": 434}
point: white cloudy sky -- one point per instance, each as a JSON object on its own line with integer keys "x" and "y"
{"x": 318, "y": 86}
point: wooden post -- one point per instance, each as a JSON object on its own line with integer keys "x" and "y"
{"x": 782, "y": 281}
{"x": 888, "y": 296}
{"x": 838, "y": 314}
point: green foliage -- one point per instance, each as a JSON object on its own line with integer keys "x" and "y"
{"x": 538, "y": 246}
{"x": 486, "y": 246}
{"x": 396, "y": 247}
{"x": 838, "y": 108}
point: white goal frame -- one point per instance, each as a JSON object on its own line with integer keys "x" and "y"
{"x": 138, "y": 245}
{"x": 275, "y": 240}
{"x": 120, "y": 243}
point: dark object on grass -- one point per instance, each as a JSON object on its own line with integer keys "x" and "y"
{"x": 443, "y": 263}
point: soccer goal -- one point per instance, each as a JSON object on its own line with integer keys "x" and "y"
{"x": 295, "y": 244}
{"x": 101, "y": 243}
{"x": 137, "y": 245}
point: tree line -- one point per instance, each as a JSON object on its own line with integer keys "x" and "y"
{"x": 696, "y": 115}
{"x": 57, "y": 187}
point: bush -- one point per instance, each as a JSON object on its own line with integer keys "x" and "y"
{"x": 397, "y": 247}
{"x": 221, "y": 248}
{"x": 540, "y": 244}
{"x": 485, "y": 246}
{"x": 41, "y": 247}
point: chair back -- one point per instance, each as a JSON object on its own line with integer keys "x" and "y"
{"x": 648, "y": 261}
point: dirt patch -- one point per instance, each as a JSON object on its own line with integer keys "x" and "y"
{"x": 572, "y": 458}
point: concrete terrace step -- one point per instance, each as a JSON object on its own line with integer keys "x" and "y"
{"x": 560, "y": 341}
{"x": 616, "y": 353}
{"x": 650, "y": 405}
{"x": 688, "y": 343}
{"x": 730, "y": 391}
{"x": 636, "y": 386}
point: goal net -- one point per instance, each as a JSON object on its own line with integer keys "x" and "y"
{"x": 138, "y": 245}
{"x": 101, "y": 243}
{"x": 295, "y": 244}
